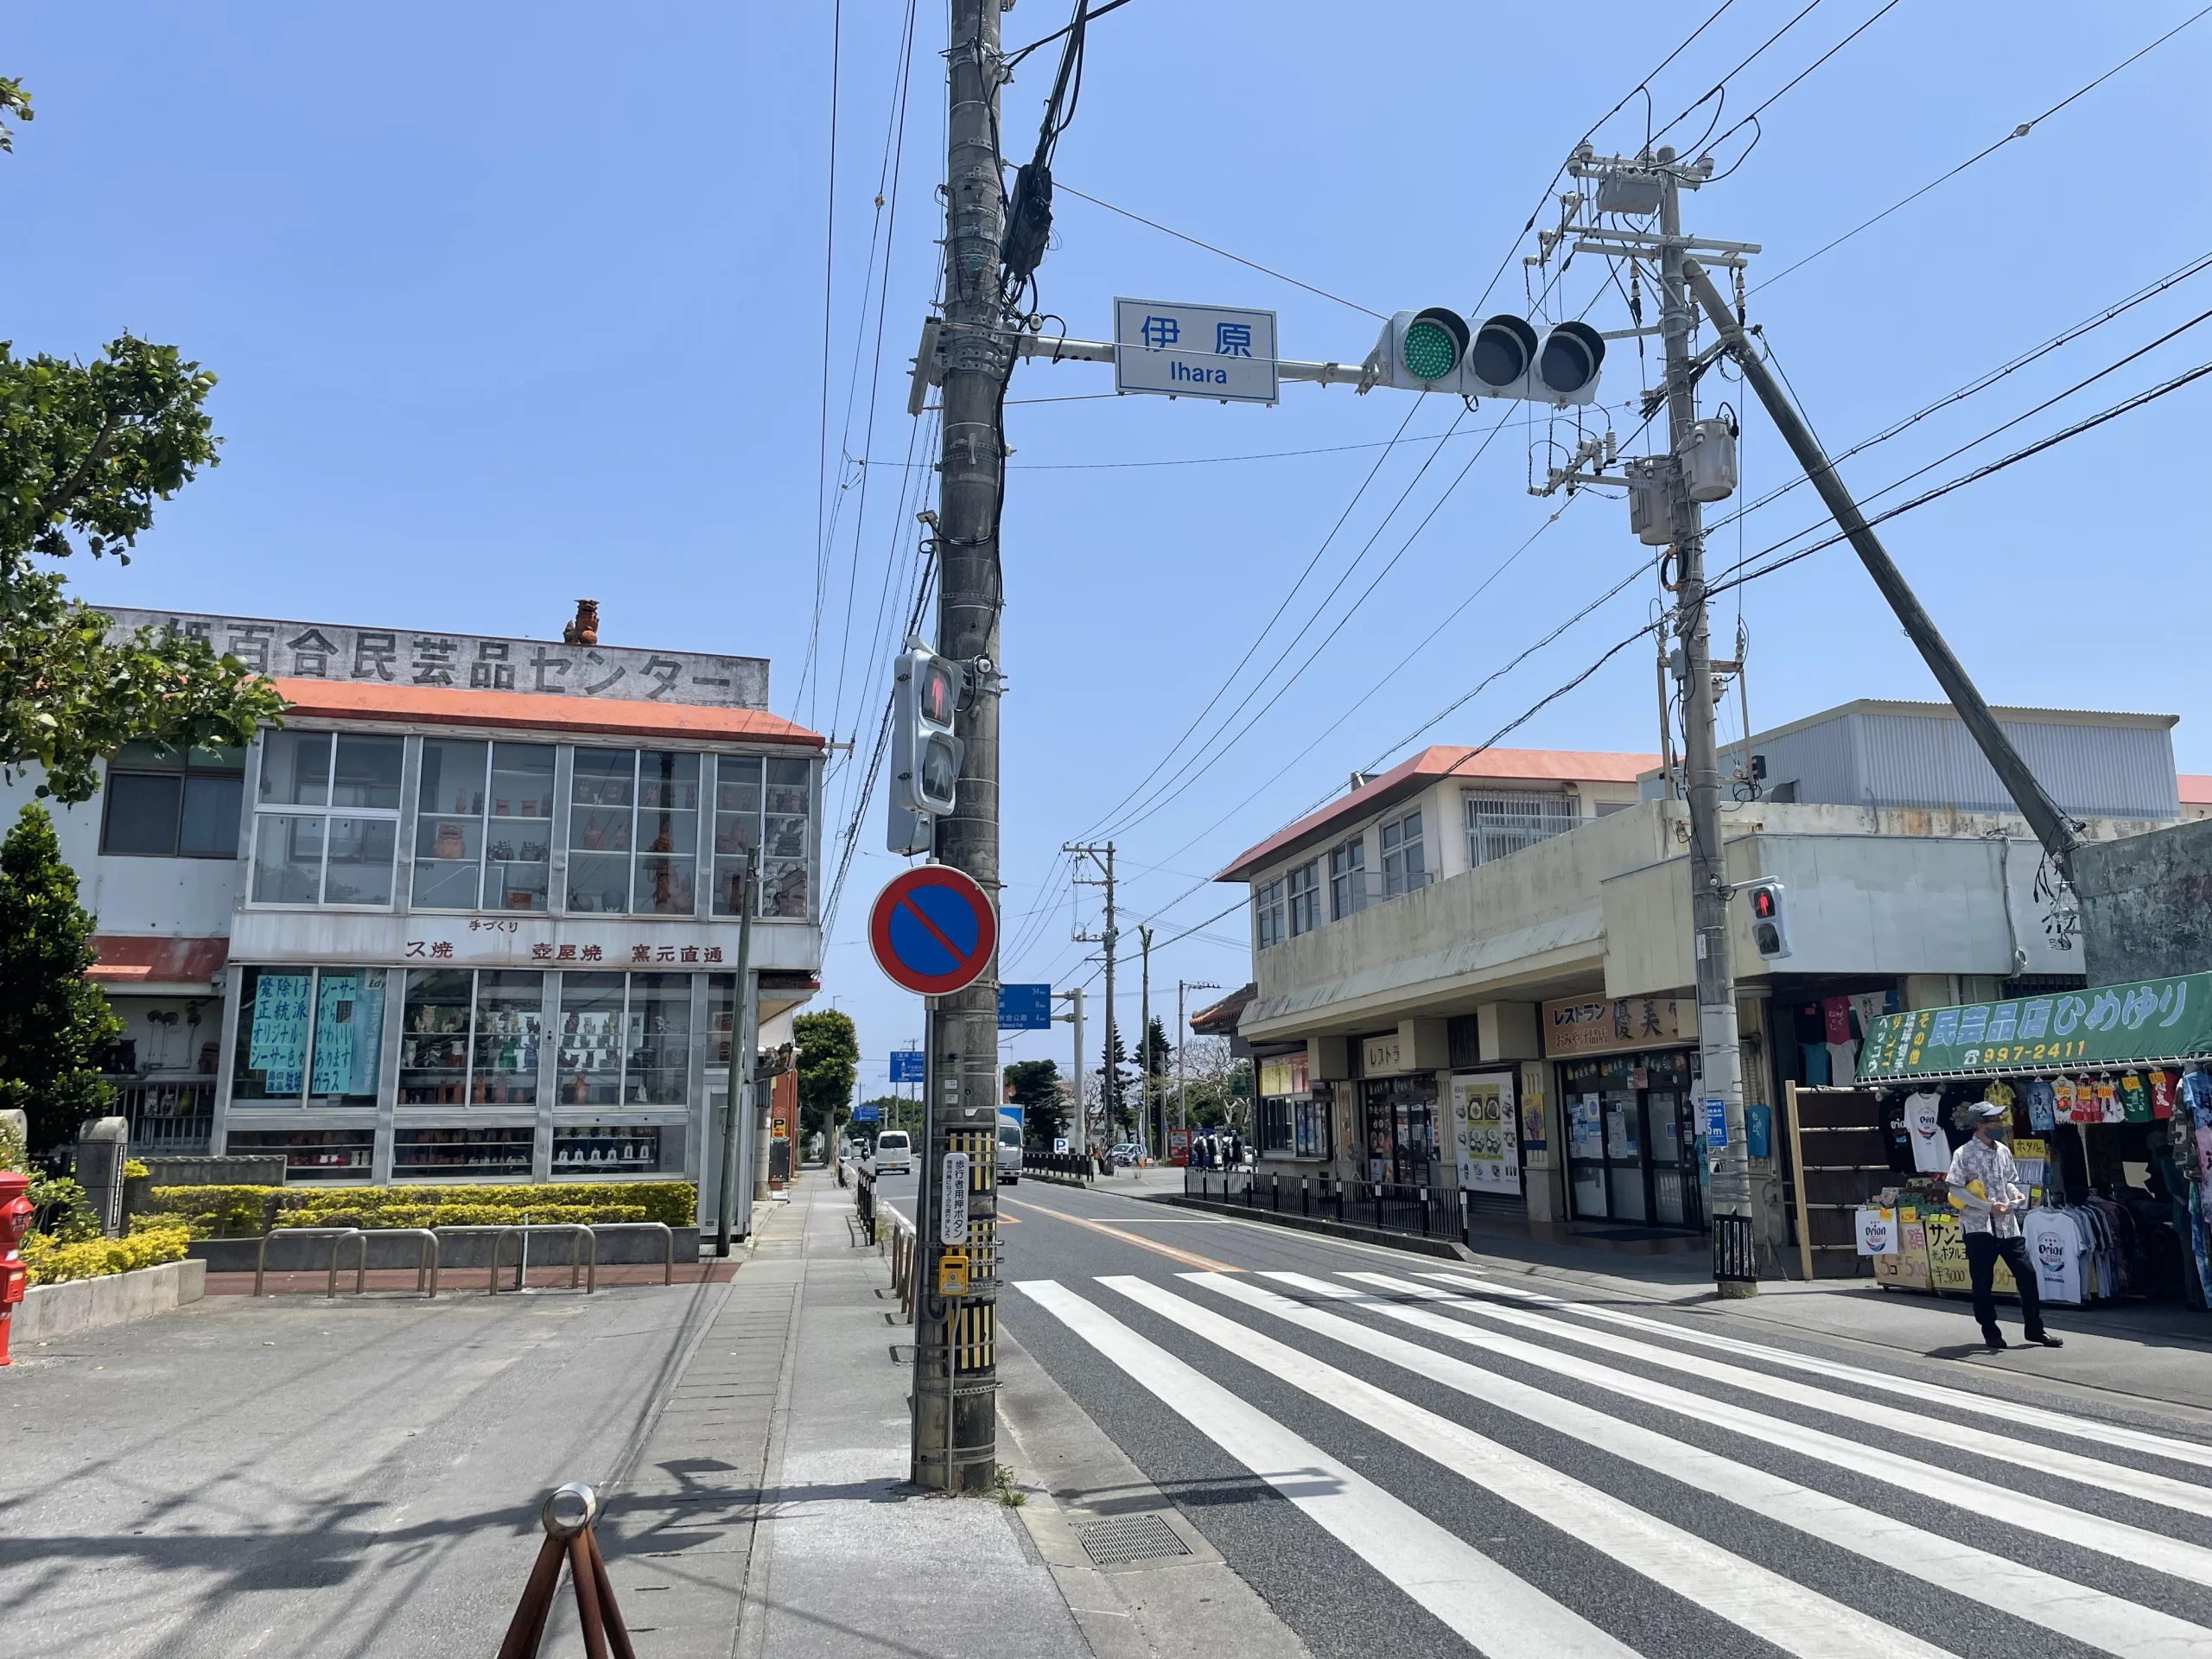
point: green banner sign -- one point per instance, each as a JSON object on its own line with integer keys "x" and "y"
{"x": 2105, "y": 1025}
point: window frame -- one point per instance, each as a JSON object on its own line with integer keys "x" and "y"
{"x": 186, "y": 772}
{"x": 1269, "y": 914}
{"x": 1348, "y": 877}
{"x": 306, "y": 1100}
{"x": 327, "y": 812}
{"x": 626, "y": 1049}
{"x": 484, "y": 818}
{"x": 1405, "y": 863}
{"x": 1302, "y": 884}
{"x": 470, "y": 1036}
{"x": 635, "y": 857}
{"x": 1534, "y": 816}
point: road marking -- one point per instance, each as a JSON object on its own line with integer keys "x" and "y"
{"x": 2092, "y": 1617}
{"x": 1963, "y": 1436}
{"x": 1450, "y": 1578}
{"x": 1777, "y": 1609}
{"x": 1188, "y": 1258}
{"x": 2035, "y": 1515}
{"x": 1959, "y": 1400}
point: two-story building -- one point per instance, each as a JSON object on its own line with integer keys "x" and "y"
{"x": 471, "y": 914}
{"x": 1509, "y": 1010}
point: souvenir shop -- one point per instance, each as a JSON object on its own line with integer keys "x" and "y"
{"x": 2111, "y": 1106}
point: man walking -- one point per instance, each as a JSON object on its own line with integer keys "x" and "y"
{"x": 1985, "y": 1184}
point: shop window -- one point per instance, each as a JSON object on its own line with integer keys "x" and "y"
{"x": 471, "y": 1037}
{"x": 626, "y": 1040}
{"x": 1268, "y": 913}
{"x": 1500, "y": 824}
{"x": 787, "y": 839}
{"x": 163, "y": 802}
{"x": 615, "y": 1149}
{"x": 483, "y": 825}
{"x": 1348, "y": 878}
{"x": 1303, "y": 885}
{"x": 1403, "y": 866}
{"x": 737, "y": 826}
{"x": 312, "y": 1154}
{"x": 1310, "y": 1129}
{"x": 633, "y": 832}
{"x": 1276, "y": 1130}
{"x": 310, "y": 1035}
{"x": 457, "y": 1154}
{"x": 326, "y": 821}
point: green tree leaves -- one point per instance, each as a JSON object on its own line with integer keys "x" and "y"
{"x": 53, "y": 1021}
{"x": 829, "y": 1062}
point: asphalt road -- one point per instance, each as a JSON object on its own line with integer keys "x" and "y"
{"x": 1528, "y": 1469}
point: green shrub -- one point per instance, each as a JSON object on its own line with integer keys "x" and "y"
{"x": 51, "y": 1260}
{"x": 675, "y": 1203}
{"x": 464, "y": 1215}
{"x": 66, "y": 1213}
{"x": 218, "y": 1211}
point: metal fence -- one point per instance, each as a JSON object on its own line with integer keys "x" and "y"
{"x": 1387, "y": 1207}
{"x": 167, "y": 1120}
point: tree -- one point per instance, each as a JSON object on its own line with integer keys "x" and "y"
{"x": 53, "y": 1021}
{"x": 1035, "y": 1086}
{"x": 828, "y": 1063}
{"x": 85, "y": 451}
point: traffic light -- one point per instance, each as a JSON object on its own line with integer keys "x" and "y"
{"x": 1770, "y": 920}
{"x": 925, "y": 754}
{"x": 1436, "y": 351}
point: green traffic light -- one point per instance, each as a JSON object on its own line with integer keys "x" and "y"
{"x": 1429, "y": 351}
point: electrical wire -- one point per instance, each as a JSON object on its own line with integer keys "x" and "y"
{"x": 821, "y": 449}
{"x": 1238, "y": 258}
{"x": 1717, "y": 86}
{"x": 2020, "y": 131}
{"x": 1887, "y": 7}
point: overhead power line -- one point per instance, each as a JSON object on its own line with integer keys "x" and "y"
{"x": 1251, "y": 264}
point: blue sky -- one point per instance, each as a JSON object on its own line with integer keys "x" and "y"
{"x": 514, "y": 303}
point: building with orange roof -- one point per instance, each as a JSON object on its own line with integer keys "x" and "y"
{"x": 471, "y": 914}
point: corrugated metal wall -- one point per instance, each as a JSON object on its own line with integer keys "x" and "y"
{"x": 1868, "y": 759}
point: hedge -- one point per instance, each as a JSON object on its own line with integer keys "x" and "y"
{"x": 218, "y": 1211}
{"x": 464, "y": 1215}
{"x": 51, "y": 1261}
{"x": 675, "y": 1203}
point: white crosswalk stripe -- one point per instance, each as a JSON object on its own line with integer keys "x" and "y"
{"x": 1998, "y": 1560}
{"x": 1794, "y": 1618}
{"x": 1965, "y": 1436}
{"x": 2116, "y": 1435}
{"x": 1452, "y": 1579}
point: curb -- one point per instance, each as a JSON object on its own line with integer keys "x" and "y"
{"x": 74, "y": 1304}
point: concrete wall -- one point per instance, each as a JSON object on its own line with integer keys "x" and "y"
{"x": 51, "y": 1311}
{"x": 2147, "y": 904}
{"x": 184, "y": 897}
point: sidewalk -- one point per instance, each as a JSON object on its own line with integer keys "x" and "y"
{"x": 765, "y": 1511}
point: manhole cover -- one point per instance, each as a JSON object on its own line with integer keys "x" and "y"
{"x": 1131, "y": 1538}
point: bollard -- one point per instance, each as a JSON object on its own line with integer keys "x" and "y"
{"x": 566, "y": 1517}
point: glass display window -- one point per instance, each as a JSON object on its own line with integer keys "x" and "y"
{"x": 657, "y": 1068}
{"x": 459, "y": 1153}
{"x": 602, "y": 821}
{"x": 310, "y": 1036}
{"x": 326, "y": 819}
{"x": 667, "y": 834}
{"x": 614, "y": 1150}
{"x": 737, "y": 824}
{"x": 471, "y": 1037}
{"x": 589, "y": 1059}
{"x": 312, "y": 1154}
{"x": 785, "y": 838}
{"x": 484, "y": 825}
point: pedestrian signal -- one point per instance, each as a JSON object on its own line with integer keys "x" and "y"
{"x": 1770, "y": 925}
{"x": 924, "y": 753}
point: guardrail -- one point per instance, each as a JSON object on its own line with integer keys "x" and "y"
{"x": 1386, "y": 1206}
{"x": 1075, "y": 1168}
{"x": 904, "y": 1248}
{"x": 566, "y": 1517}
{"x": 583, "y": 1251}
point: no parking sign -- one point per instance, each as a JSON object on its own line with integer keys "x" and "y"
{"x": 933, "y": 930}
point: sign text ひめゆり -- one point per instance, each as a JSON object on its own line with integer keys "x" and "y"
{"x": 2104, "y": 1025}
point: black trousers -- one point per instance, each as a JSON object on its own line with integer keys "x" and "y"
{"x": 1983, "y": 1252}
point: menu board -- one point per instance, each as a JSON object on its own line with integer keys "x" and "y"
{"x": 1485, "y": 1133}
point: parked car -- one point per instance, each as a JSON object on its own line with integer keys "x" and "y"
{"x": 1126, "y": 1155}
{"x": 895, "y": 1153}
{"x": 1009, "y": 1154}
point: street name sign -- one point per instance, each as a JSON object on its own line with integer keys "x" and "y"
{"x": 932, "y": 930}
{"x": 867, "y": 1114}
{"x": 1196, "y": 351}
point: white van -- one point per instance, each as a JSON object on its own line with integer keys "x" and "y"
{"x": 1009, "y": 1153}
{"x": 895, "y": 1153}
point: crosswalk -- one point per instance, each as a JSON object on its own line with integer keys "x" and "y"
{"x": 1810, "y": 1506}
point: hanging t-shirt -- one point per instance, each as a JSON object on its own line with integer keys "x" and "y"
{"x": 2134, "y": 1100}
{"x": 2109, "y": 1109}
{"x": 2162, "y": 1095}
{"x": 1923, "y": 1127}
{"x": 2041, "y": 1116}
{"x": 2063, "y": 1102}
{"x": 2086, "y": 1109}
{"x": 2054, "y": 1246}
{"x": 1895, "y": 1140}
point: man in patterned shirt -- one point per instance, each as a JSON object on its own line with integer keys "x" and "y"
{"x": 1985, "y": 1184}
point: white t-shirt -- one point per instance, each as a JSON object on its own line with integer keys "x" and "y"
{"x": 2054, "y": 1246}
{"x": 1923, "y": 1127}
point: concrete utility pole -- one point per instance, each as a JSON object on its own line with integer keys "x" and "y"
{"x": 1182, "y": 1036}
{"x": 1720, "y": 1055}
{"x": 738, "y": 1083}
{"x": 1111, "y": 1084}
{"x": 955, "y": 1364}
{"x": 1153, "y": 1139}
{"x": 1081, "y": 1141}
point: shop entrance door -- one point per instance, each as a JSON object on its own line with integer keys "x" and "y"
{"x": 1671, "y": 1138}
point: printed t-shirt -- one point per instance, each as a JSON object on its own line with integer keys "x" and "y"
{"x": 2134, "y": 1103}
{"x": 2041, "y": 1104}
{"x": 2110, "y": 1110}
{"x": 2054, "y": 1246}
{"x": 2162, "y": 1097}
{"x": 1923, "y": 1126}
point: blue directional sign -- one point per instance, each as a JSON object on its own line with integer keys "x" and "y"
{"x": 1716, "y": 1122}
{"x": 1024, "y": 1008}
{"x": 867, "y": 1114}
{"x": 906, "y": 1066}
{"x": 1194, "y": 351}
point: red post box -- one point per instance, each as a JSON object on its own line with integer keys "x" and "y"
{"x": 15, "y": 1213}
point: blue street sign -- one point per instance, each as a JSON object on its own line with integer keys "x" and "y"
{"x": 1716, "y": 1122}
{"x": 1024, "y": 1008}
{"x": 906, "y": 1066}
{"x": 867, "y": 1114}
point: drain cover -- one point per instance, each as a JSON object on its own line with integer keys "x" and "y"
{"x": 1131, "y": 1538}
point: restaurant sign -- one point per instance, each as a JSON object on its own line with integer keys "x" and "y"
{"x": 2104, "y": 1025}
{"x": 1597, "y": 1026}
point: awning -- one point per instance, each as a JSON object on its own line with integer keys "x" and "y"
{"x": 2149, "y": 1022}
{"x": 128, "y": 961}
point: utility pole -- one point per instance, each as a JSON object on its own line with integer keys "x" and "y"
{"x": 1182, "y": 1035}
{"x": 1720, "y": 1055}
{"x": 956, "y": 1361}
{"x": 1153, "y": 1139}
{"x": 1074, "y": 1017}
{"x": 1103, "y": 858}
{"x": 739, "y": 1083}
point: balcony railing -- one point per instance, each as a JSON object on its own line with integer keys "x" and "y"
{"x": 167, "y": 1119}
